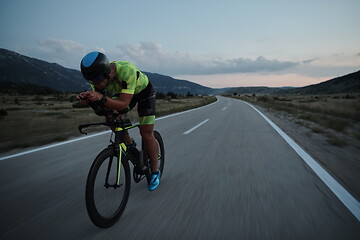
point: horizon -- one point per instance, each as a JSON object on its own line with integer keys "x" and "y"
{"x": 216, "y": 44}
{"x": 184, "y": 79}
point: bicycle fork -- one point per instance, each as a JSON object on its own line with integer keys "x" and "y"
{"x": 118, "y": 168}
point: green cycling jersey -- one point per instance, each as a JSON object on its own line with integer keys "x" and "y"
{"x": 129, "y": 80}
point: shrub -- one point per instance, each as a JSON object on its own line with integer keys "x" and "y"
{"x": 38, "y": 99}
{"x": 79, "y": 105}
{"x": 3, "y": 113}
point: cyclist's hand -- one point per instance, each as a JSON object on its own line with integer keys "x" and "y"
{"x": 94, "y": 96}
{"x": 82, "y": 97}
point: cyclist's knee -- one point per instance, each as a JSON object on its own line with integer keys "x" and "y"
{"x": 146, "y": 132}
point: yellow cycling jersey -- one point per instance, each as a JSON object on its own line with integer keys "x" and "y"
{"x": 129, "y": 80}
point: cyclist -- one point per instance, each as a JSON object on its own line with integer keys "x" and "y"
{"x": 119, "y": 86}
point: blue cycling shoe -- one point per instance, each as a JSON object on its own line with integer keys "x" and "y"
{"x": 154, "y": 181}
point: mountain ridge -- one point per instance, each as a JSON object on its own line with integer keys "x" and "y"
{"x": 17, "y": 68}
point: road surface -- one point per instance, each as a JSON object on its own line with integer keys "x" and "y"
{"x": 228, "y": 175}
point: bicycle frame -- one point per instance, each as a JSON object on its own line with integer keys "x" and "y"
{"x": 97, "y": 184}
{"x": 119, "y": 144}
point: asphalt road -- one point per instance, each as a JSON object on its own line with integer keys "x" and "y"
{"x": 232, "y": 177}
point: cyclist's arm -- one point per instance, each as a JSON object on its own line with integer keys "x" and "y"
{"x": 119, "y": 104}
{"x": 115, "y": 104}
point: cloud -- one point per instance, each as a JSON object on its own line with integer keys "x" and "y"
{"x": 64, "y": 52}
{"x": 327, "y": 66}
{"x": 60, "y": 45}
{"x": 308, "y": 61}
{"x": 67, "y": 53}
{"x": 151, "y": 56}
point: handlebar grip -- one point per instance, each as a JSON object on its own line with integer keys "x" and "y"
{"x": 83, "y": 126}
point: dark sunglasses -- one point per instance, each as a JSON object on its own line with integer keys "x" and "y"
{"x": 98, "y": 79}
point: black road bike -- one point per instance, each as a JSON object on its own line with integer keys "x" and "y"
{"x": 109, "y": 179}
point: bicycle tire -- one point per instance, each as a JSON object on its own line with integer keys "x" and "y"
{"x": 96, "y": 195}
{"x": 161, "y": 152}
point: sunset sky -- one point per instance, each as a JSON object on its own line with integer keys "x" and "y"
{"x": 227, "y": 43}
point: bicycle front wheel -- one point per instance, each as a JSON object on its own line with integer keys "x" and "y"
{"x": 107, "y": 188}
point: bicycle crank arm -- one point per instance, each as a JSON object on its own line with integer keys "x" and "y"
{"x": 115, "y": 186}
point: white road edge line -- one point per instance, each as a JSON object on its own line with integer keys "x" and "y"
{"x": 93, "y": 135}
{"x": 345, "y": 197}
{"x": 192, "y": 129}
{"x": 53, "y": 145}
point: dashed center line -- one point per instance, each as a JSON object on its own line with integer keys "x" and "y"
{"x": 192, "y": 129}
{"x": 224, "y": 108}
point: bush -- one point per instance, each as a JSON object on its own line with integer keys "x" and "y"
{"x": 80, "y": 105}
{"x": 262, "y": 99}
{"x": 172, "y": 95}
{"x": 3, "y": 112}
{"x": 38, "y": 99}
{"x": 160, "y": 95}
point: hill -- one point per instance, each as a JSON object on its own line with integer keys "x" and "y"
{"x": 167, "y": 84}
{"x": 12, "y": 88}
{"x": 253, "y": 90}
{"x": 349, "y": 83}
{"x": 16, "y": 68}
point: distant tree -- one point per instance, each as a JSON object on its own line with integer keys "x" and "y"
{"x": 172, "y": 95}
{"x": 160, "y": 95}
{"x": 189, "y": 95}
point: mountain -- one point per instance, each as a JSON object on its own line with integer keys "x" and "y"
{"x": 349, "y": 83}
{"x": 167, "y": 84}
{"x": 12, "y": 88}
{"x": 252, "y": 90}
{"x": 16, "y": 68}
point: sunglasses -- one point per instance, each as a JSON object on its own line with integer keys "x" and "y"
{"x": 98, "y": 79}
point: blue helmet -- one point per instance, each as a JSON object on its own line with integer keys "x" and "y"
{"x": 95, "y": 66}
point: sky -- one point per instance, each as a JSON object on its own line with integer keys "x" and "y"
{"x": 223, "y": 43}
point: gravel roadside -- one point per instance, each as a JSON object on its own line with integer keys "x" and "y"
{"x": 342, "y": 162}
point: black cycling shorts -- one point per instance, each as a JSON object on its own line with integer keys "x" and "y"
{"x": 146, "y": 104}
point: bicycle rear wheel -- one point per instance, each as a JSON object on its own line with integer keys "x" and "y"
{"x": 161, "y": 156}
{"x": 107, "y": 191}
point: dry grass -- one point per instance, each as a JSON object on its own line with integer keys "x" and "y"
{"x": 320, "y": 113}
{"x": 36, "y": 120}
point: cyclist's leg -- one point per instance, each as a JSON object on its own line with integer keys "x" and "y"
{"x": 146, "y": 111}
{"x": 151, "y": 146}
{"x": 133, "y": 102}
{"x": 128, "y": 139}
